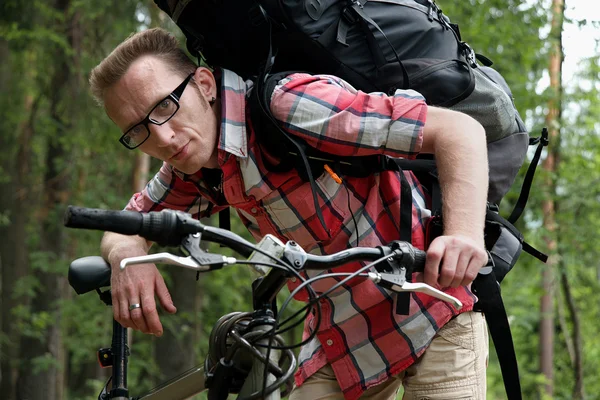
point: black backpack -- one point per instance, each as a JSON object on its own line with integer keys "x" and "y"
{"x": 378, "y": 45}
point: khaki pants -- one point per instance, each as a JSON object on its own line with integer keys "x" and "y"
{"x": 452, "y": 367}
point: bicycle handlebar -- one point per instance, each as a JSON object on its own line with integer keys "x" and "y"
{"x": 169, "y": 228}
{"x": 176, "y": 228}
{"x": 166, "y": 228}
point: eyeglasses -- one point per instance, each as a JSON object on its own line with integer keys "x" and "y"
{"x": 163, "y": 111}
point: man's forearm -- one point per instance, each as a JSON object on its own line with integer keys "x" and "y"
{"x": 460, "y": 151}
{"x": 114, "y": 247}
{"x": 463, "y": 172}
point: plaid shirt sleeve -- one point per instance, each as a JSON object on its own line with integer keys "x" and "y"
{"x": 333, "y": 117}
{"x": 168, "y": 190}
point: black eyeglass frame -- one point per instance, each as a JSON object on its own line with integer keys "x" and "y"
{"x": 175, "y": 96}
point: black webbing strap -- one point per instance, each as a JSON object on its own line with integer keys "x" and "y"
{"x": 224, "y": 219}
{"x": 490, "y": 302}
{"x": 493, "y": 216}
{"x": 541, "y": 141}
{"x": 393, "y": 164}
{"x": 426, "y": 172}
{"x": 534, "y": 252}
{"x": 261, "y": 101}
{"x": 405, "y": 209}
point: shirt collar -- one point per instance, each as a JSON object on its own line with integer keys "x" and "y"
{"x": 233, "y": 138}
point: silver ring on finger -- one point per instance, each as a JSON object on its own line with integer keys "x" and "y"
{"x": 134, "y": 306}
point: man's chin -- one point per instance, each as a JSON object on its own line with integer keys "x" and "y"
{"x": 187, "y": 168}
{"x": 187, "y": 171}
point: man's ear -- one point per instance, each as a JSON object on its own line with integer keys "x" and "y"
{"x": 206, "y": 83}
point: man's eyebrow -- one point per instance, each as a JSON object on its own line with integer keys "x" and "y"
{"x": 147, "y": 115}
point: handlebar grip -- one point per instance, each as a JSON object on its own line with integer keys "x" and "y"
{"x": 167, "y": 227}
{"x": 124, "y": 222}
{"x": 420, "y": 256}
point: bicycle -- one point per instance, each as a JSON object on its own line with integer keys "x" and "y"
{"x": 246, "y": 354}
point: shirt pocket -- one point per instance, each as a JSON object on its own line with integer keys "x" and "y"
{"x": 292, "y": 209}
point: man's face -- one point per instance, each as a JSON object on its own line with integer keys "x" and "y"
{"x": 187, "y": 141}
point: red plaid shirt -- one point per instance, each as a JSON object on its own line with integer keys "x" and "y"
{"x": 360, "y": 334}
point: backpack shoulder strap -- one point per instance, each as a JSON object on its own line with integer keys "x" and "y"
{"x": 487, "y": 289}
{"x": 541, "y": 141}
{"x": 269, "y": 135}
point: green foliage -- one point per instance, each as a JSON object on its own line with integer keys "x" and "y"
{"x": 511, "y": 33}
{"x": 88, "y": 324}
{"x": 43, "y": 363}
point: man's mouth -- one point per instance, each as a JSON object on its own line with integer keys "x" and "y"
{"x": 180, "y": 154}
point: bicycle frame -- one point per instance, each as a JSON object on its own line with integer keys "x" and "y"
{"x": 193, "y": 381}
{"x": 254, "y": 336}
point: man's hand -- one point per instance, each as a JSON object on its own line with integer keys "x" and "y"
{"x": 458, "y": 143}
{"x": 139, "y": 284}
{"x": 453, "y": 261}
{"x": 136, "y": 284}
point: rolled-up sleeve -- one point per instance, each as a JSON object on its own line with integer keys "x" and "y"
{"x": 333, "y": 117}
{"x": 167, "y": 190}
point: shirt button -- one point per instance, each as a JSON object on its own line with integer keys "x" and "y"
{"x": 329, "y": 342}
{"x": 253, "y": 210}
{"x": 293, "y": 280}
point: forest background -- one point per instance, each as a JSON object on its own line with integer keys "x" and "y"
{"x": 58, "y": 148}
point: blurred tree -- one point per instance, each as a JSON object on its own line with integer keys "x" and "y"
{"x": 20, "y": 105}
{"x": 553, "y": 121}
{"x": 41, "y": 373}
{"x": 49, "y": 128}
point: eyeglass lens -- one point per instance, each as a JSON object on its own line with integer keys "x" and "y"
{"x": 160, "y": 114}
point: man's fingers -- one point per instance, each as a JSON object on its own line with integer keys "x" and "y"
{"x": 477, "y": 262}
{"x": 137, "y": 316}
{"x": 162, "y": 292}
{"x": 462, "y": 265}
{"x": 124, "y": 316}
{"x": 150, "y": 314}
{"x": 448, "y": 268}
{"x": 434, "y": 257}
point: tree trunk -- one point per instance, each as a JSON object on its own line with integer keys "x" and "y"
{"x": 14, "y": 205}
{"x": 42, "y": 375}
{"x": 47, "y": 349}
{"x": 140, "y": 171}
{"x": 175, "y": 349}
{"x": 5, "y": 74}
{"x": 578, "y": 389}
{"x": 564, "y": 327}
{"x": 549, "y": 206}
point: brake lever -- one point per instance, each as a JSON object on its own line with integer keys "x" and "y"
{"x": 397, "y": 283}
{"x": 186, "y": 262}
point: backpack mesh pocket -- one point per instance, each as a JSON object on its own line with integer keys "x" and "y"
{"x": 491, "y": 106}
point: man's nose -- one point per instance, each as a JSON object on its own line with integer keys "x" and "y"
{"x": 163, "y": 134}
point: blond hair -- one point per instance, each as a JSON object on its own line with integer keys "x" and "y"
{"x": 157, "y": 42}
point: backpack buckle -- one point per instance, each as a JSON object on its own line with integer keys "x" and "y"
{"x": 349, "y": 15}
{"x": 470, "y": 54}
{"x": 493, "y": 207}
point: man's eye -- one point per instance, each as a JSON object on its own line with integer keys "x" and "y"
{"x": 166, "y": 103}
{"x": 137, "y": 130}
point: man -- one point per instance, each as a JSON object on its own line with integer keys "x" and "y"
{"x": 198, "y": 125}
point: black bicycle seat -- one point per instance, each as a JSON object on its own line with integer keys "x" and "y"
{"x": 89, "y": 273}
